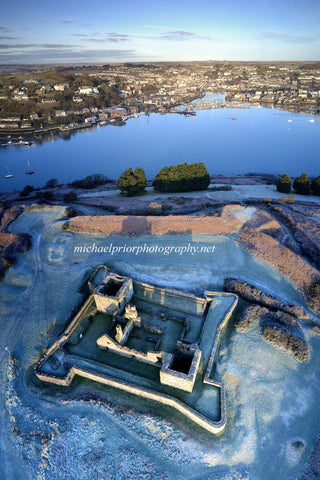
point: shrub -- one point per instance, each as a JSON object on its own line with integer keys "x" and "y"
{"x": 91, "y": 181}
{"x": 51, "y": 183}
{"x": 284, "y": 184}
{"x": 302, "y": 184}
{"x": 26, "y": 191}
{"x": 132, "y": 182}
{"x": 315, "y": 185}
{"x": 70, "y": 196}
{"x": 313, "y": 297}
{"x": 155, "y": 208}
{"x": 289, "y": 199}
{"x": 182, "y": 178}
{"x": 47, "y": 195}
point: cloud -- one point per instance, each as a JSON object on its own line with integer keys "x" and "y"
{"x": 169, "y": 34}
{"x": 112, "y": 37}
{"x": 5, "y": 46}
{"x": 4, "y": 37}
{"x": 106, "y": 39}
{"x": 4, "y": 29}
{"x": 111, "y": 34}
{"x": 181, "y": 35}
{"x": 92, "y": 39}
{"x": 118, "y": 35}
{"x": 57, "y": 45}
{"x": 285, "y": 37}
{"x": 177, "y": 34}
{"x": 68, "y": 21}
{"x": 66, "y": 55}
{"x": 79, "y": 34}
{"x": 116, "y": 40}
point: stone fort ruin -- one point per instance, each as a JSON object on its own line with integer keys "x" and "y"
{"x": 152, "y": 342}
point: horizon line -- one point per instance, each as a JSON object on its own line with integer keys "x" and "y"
{"x": 155, "y": 61}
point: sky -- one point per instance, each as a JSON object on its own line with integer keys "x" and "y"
{"x": 83, "y": 31}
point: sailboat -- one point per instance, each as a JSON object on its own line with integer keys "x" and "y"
{"x": 9, "y": 142}
{"x": 9, "y": 175}
{"x": 29, "y": 171}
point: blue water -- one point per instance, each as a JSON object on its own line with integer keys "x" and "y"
{"x": 262, "y": 140}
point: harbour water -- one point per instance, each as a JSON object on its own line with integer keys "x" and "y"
{"x": 261, "y": 140}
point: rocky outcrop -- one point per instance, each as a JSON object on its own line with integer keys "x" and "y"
{"x": 284, "y": 319}
{"x": 10, "y": 215}
{"x": 254, "y": 295}
{"x": 313, "y": 472}
{"x": 248, "y": 316}
{"x": 303, "y": 228}
{"x": 70, "y": 211}
{"x": 279, "y": 328}
{"x": 281, "y": 337}
{"x": 290, "y": 264}
{"x": 10, "y": 245}
{"x": 313, "y": 297}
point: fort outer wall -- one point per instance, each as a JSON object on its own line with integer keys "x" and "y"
{"x": 198, "y": 418}
{"x": 221, "y": 326}
{"x": 209, "y": 425}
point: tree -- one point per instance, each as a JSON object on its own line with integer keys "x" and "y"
{"x": 132, "y": 182}
{"x": 182, "y": 178}
{"x": 70, "y": 196}
{"x": 315, "y": 185}
{"x": 26, "y": 191}
{"x": 52, "y": 182}
{"x": 302, "y": 184}
{"x": 46, "y": 195}
{"x": 284, "y": 184}
{"x": 91, "y": 181}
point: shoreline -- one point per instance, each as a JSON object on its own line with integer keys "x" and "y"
{"x": 31, "y": 133}
{"x": 66, "y": 128}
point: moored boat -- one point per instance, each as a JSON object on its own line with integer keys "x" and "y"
{"x": 29, "y": 171}
{"x": 9, "y": 175}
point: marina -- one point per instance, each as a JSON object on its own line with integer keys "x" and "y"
{"x": 14, "y": 143}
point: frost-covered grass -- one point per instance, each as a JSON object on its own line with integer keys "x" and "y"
{"x": 46, "y": 433}
{"x": 238, "y": 193}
